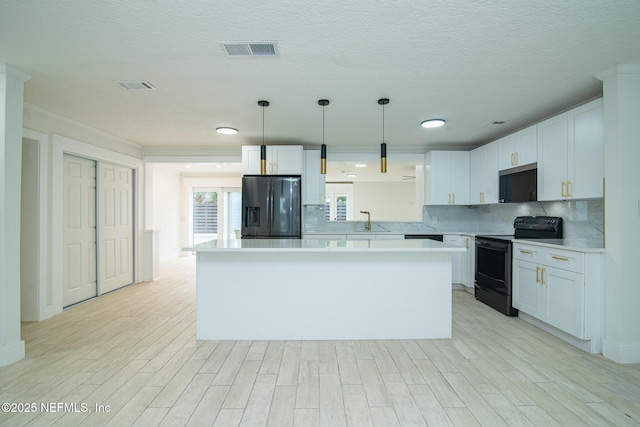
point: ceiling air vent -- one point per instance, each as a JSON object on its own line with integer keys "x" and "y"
{"x": 495, "y": 123}
{"x": 136, "y": 85}
{"x": 246, "y": 49}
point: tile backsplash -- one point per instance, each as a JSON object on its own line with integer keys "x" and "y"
{"x": 582, "y": 219}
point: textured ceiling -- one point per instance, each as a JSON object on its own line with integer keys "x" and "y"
{"x": 468, "y": 62}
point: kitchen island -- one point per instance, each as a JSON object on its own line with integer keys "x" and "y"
{"x": 319, "y": 289}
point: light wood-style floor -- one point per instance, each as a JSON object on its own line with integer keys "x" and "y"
{"x": 135, "y": 350}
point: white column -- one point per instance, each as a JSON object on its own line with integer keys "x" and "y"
{"x": 621, "y": 85}
{"x": 11, "y": 111}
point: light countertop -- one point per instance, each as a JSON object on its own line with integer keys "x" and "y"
{"x": 580, "y": 245}
{"x": 323, "y": 245}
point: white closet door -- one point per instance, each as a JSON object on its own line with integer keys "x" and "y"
{"x": 115, "y": 227}
{"x": 79, "y": 236}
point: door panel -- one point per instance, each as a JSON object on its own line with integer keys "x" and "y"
{"x": 115, "y": 238}
{"x": 79, "y": 233}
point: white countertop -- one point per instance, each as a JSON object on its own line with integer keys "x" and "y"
{"x": 580, "y": 245}
{"x": 323, "y": 245}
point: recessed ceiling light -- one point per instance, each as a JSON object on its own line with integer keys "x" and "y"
{"x": 360, "y": 165}
{"x": 432, "y": 123}
{"x": 187, "y": 166}
{"x": 227, "y": 131}
{"x": 352, "y": 175}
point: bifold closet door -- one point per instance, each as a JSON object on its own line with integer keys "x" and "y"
{"x": 79, "y": 235}
{"x": 115, "y": 227}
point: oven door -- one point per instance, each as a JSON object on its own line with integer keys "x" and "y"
{"x": 493, "y": 265}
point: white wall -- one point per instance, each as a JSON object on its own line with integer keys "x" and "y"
{"x": 166, "y": 211}
{"x": 387, "y": 201}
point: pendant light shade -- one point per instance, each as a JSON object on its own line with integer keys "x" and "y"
{"x": 263, "y": 148}
{"x": 383, "y": 146}
{"x": 323, "y": 147}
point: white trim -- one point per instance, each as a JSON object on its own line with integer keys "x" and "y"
{"x": 45, "y": 290}
{"x": 61, "y": 145}
{"x": 621, "y": 353}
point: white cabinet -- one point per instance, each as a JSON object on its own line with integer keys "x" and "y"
{"x": 312, "y": 180}
{"x": 281, "y": 160}
{"x": 462, "y": 263}
{"x": 484, "y": 182}
{"x": 519, "y": 148}
{"x": 468, "y": 262}
{"x": 447, "y": 178}
{"x": 456, "y": 257}
{"x": 571, "y": 154}
{"x": 562, "y": 288}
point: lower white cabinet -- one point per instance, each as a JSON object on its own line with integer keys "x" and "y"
{"x": 562, "y": 288}
{"x": 456, "y": 257}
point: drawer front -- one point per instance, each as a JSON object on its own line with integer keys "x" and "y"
{"x": 565, "y": 260}
{"x": 528, "y": 253}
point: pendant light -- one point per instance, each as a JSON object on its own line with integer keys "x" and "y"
{"x": 323, "y": 147}
{"x": 263, "y": 148}
{"x": 383, "y": 146}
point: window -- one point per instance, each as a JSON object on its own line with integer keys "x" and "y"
{"x": 216, "y": 214}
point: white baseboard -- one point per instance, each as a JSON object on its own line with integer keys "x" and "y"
{"x": 11, "y": 353}
{"x": 621, "y": 353}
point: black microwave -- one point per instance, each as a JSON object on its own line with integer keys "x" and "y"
{"x": 519, "y": 184}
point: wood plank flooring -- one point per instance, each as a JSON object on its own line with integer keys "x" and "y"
{"x": 135, "y": 351}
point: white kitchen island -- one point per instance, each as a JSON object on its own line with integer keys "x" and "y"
{"x": 317, "y": 289}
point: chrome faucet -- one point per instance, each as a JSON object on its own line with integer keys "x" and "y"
{"x": 367, "y": 226}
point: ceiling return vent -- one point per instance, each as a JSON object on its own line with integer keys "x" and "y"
{"x": 136, "y": 85}
{"x": 246, "y": 49}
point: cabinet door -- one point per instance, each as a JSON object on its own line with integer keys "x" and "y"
{"x": 313, "y": 181}
{"x": 527, "y": 293}
{"x": 476, "y": 175}
{"x": 460, "y": 177}
{"x": 251, "y": 160}
{"x": 564, "y": 305}
{"x": 552, "y": 158}
{"x": 467, "y": 262}
{"x": 506, "y": 152}
{"x": 438, "y": 178}
{"x": 284, "y": 159}
{"x": 526, "y": 142}
{"x": 456, "y": 257}
{"x": 586, "y": 151}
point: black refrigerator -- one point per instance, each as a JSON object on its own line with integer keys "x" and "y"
{"x": 271, "y": 207}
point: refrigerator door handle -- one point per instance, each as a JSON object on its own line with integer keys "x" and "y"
{"x": 270, "y": 205}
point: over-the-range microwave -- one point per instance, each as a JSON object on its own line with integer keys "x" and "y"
{"x": 519, "y": 184}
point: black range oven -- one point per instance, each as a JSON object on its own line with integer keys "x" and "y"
{"x": 493, "y": 259}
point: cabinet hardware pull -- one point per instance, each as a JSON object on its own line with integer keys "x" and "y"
{"x": 482, "y": 197}
{"x": 466, "y": 241}
{"x": 524, "y": 251}
{"x": 516, "y": 158}
{"x": 512, "y": 159}
{"x": 569, "y": 189}
{"x": 564, "y": 191}
{"x": 537, "y": 274}
{"x": 454, "y": 198}
{"x": 543, "y": 270}
{"x": 559, "y": 258}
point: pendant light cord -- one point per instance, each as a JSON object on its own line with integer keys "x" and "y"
{"x": 263, "y": 125}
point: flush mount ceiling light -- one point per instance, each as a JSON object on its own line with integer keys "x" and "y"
{"x": 360, "y": 165}
{"x": 352, "y": 175}
{"x": 227, "y": 130}
{"x": 432, "y": 123}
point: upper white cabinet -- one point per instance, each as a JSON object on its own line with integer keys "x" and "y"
{"x": 446, "y": 178}
{"x": 518, "y": 149}
{"x": 312, "y": 180}
{"x": 571, "y": 154}
{"x": 281, "y": 160}
{"x": 484, "y": 174}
